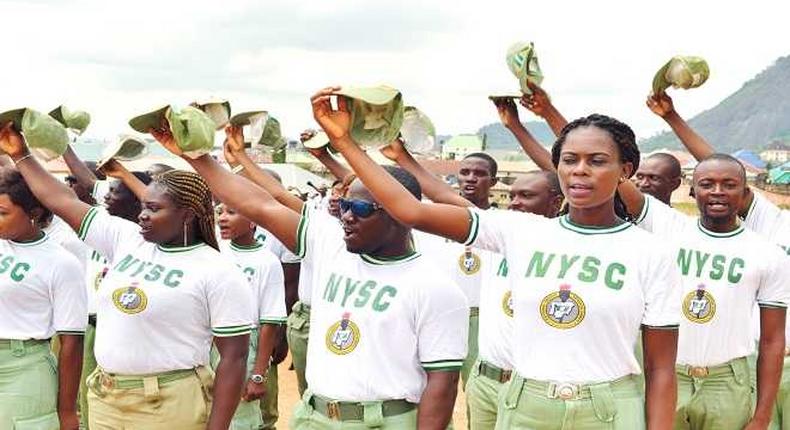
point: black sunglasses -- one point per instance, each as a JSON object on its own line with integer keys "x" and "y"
{"x": 359, "y": 208}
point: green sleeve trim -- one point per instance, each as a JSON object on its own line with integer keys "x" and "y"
{"x": 275, "y": 321}
{"x": 662, "y": 327}
{"x": 72, "y": 332}
{"x": 474, "y": 227}
{"x": 772, "y": 305}
{"x": 301, "y": 235}
{"x": 443, "y": 369}
{"x": 645, "y": 209}
{"x": 85, "y": 224}
{"x": 442, "y": 365}
{"x": 231, "y": 331}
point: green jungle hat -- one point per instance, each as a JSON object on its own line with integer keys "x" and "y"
{"x": 126, "y": 148}
{"x": 376, "y": 114}
{"x": 522, "y": 61}
{"x": 145, "y": 122}
{"x": 262, "y": 128}
{"x": 417, "y": 130}
{"x": 217, "y": 109}
{"x": 77, "y": 121}
{"x": 681, "y": 72}
{"x": 46, "y": 137}
{"x": 192, "y": 129}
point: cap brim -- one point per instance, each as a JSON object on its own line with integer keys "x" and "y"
{"x": 379, "y": 95}
{"x": 496, "y": 97}
{"x": 660, "y": 82}
{"x": 14, "y": 116}
{"x": 219, "y": 116}
{"x": 122, "y": 150}
{"x": 320, "y": 140}
{"x": 57, "y": 113}
{"x": 145, "y": 122}
{"x": 244, "y": 118}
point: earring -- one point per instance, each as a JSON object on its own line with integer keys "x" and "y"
{"x": 185, "y": 234}
{"x": 622, "y": 180}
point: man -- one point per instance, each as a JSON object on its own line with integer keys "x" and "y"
{"x": 658, "y": 175}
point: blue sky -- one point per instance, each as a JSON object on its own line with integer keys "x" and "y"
{"x": 117, "y": 59}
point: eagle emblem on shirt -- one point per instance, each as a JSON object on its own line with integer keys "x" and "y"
{"x": 130, "y": 300}
{"x": 342, "y": 337}
{"x": 507, "y": 303}
{"x": 469, "y": 262}
{"x": 699, "y": 306}
{"x": 562, "y": 309}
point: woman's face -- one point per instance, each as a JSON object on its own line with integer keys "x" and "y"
{"x": 161, "y": 221}
{"x": 14, "y": 222}
{"x": 589, "y": 168}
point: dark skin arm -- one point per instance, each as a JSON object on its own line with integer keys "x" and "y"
{"x": 228, "y": 384}
{"x": 78, "y": 169}
{"x": 335, "y": 168}
{"x": 116, "y": 170}
{"x": 69, "y": 370}
{"x": 540, "y": 104}
{"x": 436, "y": 405}
{"x": 660, "y": 348}
{"x": 508, "y": 114}
{"x": 291, "y": 273}
{"x": 267, "y": 335}
{"x": 770, "y": 360}
{"x": 52, "y": 193}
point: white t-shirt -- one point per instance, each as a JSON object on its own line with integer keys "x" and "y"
{"x": 273, "y": 245}
{"x": 723, "y": 275}
{"x": 768, "y": 220}
{"x": 100, "y": 189}
{"x": 62, "y": 234}
{"x": 377, "y": 325}
{"x": 306, "y": 269}
{"x": 496, "y": 318}
{"x": 159, "y": 307}
{"x": 579, "y": 294}
{"x": 264, "y": 274}
{"x": 41, "y": 291}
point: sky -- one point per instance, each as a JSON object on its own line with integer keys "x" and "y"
{"x": 118, "y": 59}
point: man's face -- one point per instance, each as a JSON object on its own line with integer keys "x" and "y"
{"x": 474, "y": 179}
{"x": 719, "y": 189}
{"x": 366, "y": 234}
{"x": 654, "y": 177}
{"x": 532, "y": 194}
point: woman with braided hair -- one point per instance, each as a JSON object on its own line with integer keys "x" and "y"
{"x": 579, "y": 291}
{"x": 166, "y": 296}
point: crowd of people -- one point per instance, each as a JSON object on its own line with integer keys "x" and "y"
{"x": 169, "y": 297}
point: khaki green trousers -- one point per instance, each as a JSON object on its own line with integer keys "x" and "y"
{"x": 471, "y": 351}
{"x": 535, "y": 405}
{"x": 482, "y": 397}
{"x": 88, "y": 366}
{"x": 28, "y": 386}
{"x": 307, "y": 418}
{"x": 721, "y": 400}
{"x": 297, "y": 333}
{"x": 781, "y": 416}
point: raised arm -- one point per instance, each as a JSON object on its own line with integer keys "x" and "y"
{"x": 452, "y": 222}
{"x": 337, "y": 170}
{"x": 236, "y": 155}
{"x": 508, "y": 114}
{"x": 52, "y": 193}
{"x": 633, "y": 198}
{"x": 248, "y": 199}
{"x": 434, "y": 188}
{"x": 540, "y": 104}
{"x": 78, "y": 169}
{"x": 661, "y": 105}
{"x": 116, "y": 170}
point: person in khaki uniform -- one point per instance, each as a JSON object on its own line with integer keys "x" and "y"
{"x": 167, "y": 295}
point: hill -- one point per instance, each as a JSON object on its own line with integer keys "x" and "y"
{"x": 498, "y": 138}
{"x": 748, "y": 119}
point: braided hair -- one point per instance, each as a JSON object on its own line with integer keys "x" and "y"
{"x": 190, "y": 191}
{"x": 623, "y": 137}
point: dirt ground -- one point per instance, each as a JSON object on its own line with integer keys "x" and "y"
{"x": 289, "y": 395}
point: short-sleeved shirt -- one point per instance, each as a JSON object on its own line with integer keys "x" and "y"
{"x": 496, "y": 318}
{"x": 100, "y": 189}
{"x": 264, "y": 274}
{"x": 327, "y": 222}
{"x": 159, "y": 307}
{"x": 273, "y": 245}
{"x": 768, "y": 220}
{"x": 724, "y": 275}
{"x": 41, "y": 290}
{"x": 377, "y": 325}
{"x": 579, "y": 294}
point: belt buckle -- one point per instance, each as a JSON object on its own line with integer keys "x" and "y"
{"x": 106, "y": 381}
{"x": 505, "y": 376}
{"x": 333, "y": 410}
{"x": 698, "y": 372}
{"x": 562, "y": 391}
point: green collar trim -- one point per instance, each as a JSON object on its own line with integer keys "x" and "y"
{"x": 37, "y": 241}
{"x": 565, "y": 221}
{"x": 177, "y": 249}
{"x": 246, "y": 248}
{"x": 386, "y": 261}
{"x": 738, "y": 230}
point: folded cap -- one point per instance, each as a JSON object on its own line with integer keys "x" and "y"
{"x": 217, "y": 109}
{"x": 376, "y": 113}
{"x": 522, "y": 61}
{"x": 681, "y": 72}
{"x": 261, "y": 128}
{"x": 46, "y": 137}
{"x": 503, "y": 96}
{"x": 319, "y": 140}
{"x": 192, "y": 129}
{"x": 126, "y": 148}
{"x": 145, "y": 122}
{"x": 77, "y": 121}
{"x": 417, "y": 130}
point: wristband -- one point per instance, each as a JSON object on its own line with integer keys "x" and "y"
{"x": 23, "y": 159}
{"x": 237, "y": 169}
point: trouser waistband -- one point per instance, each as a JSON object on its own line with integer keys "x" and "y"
{"x": 732, "y": 367}
{"x": 474, "y": 311}
{"x": 102, "y": 381}
{"x": 496, "y": 373}
{"x": 356, "y": 411}
{"x": 571, "y": 391}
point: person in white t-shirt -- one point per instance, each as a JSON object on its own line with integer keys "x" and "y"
{"x": 265, "y": 275}
{"x": 388, "y": 332}
{"x": 576, "y": 325}
{"x": 167, "y": 295}
{"x": 41, "y": 295}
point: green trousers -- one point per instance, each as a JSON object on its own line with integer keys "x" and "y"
{"x": 28, "y": 386}
{"x": 88, "y": 366}
{"x": 535, "y": 405}
{"x": 482, "y": 397}
{"x": 297, "y": 333}
{"x": 471, "y": 351}
{"x": 307, "y": 418}
{"x": 720, "y": 400}
{"x": 781, "y": 416}
{"x": 269, "y": 411}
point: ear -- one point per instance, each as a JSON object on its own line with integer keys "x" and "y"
{"x": 188, "y": 217}
{"x": 494, "y": 180}
{"x": 37, "y": 215}
{"x": 675, "y": 184}
{"x": 627, "y": 170}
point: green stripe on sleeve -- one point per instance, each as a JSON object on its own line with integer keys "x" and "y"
{"x": 443, "y": 365}
{"x": 772, "y": 305}
{"x": 662, "y": 327}
{"x": 72, "y": 332}
{"x": 474, "y": 227}
{"x": 85, "y": 224}
{"x": 275, "y": 321}
{"x": 231, "y": 331}
{"x": 645, "y": 209}
{"x": 301, "y": 236}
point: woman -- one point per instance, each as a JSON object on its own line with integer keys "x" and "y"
{"x": 41, "y": 294}
{"x": 167, "y": 292}
{"x": 577, "y": 323}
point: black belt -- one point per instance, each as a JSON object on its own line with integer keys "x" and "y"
{"x": 92, "y": 319}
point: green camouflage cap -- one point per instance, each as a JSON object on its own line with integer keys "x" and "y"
{"x": 522, "y": 61}
{"x": 681, "y": 72}
{"x": 217, "y": 109}
{"x": 376, "y": 113}
{"x": 417, "y": 131}
{"x": 262, "y": 129}
{"x": 145, "y": 122}
{"x": 192, "y": 129}
{"x": 77, "y": 121}
{"x": 126, "y": 148}
{"x": 319, "y": 140}
{"x": 46, "y": 137}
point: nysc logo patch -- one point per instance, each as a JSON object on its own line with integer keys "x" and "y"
{"x": 130, "y": 300}
{"x": 699, "y": 306}
{"x": 562, "y": 309}
{"x": 469, "y": 262}
{"x": 507, "y": 303}
{"x": 342, "y": 337}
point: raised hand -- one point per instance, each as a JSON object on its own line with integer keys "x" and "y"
{"x": 660, "y": 104}
{"x": 113, "y": 169}
{"x": 335, "y": 122}
{"x": 538, "y": 102}
{"x": 508, "y": 113}
{"x": 12, "y": 142}
{"x": 394, "y": 150}
{"x": 164, "y": 136}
